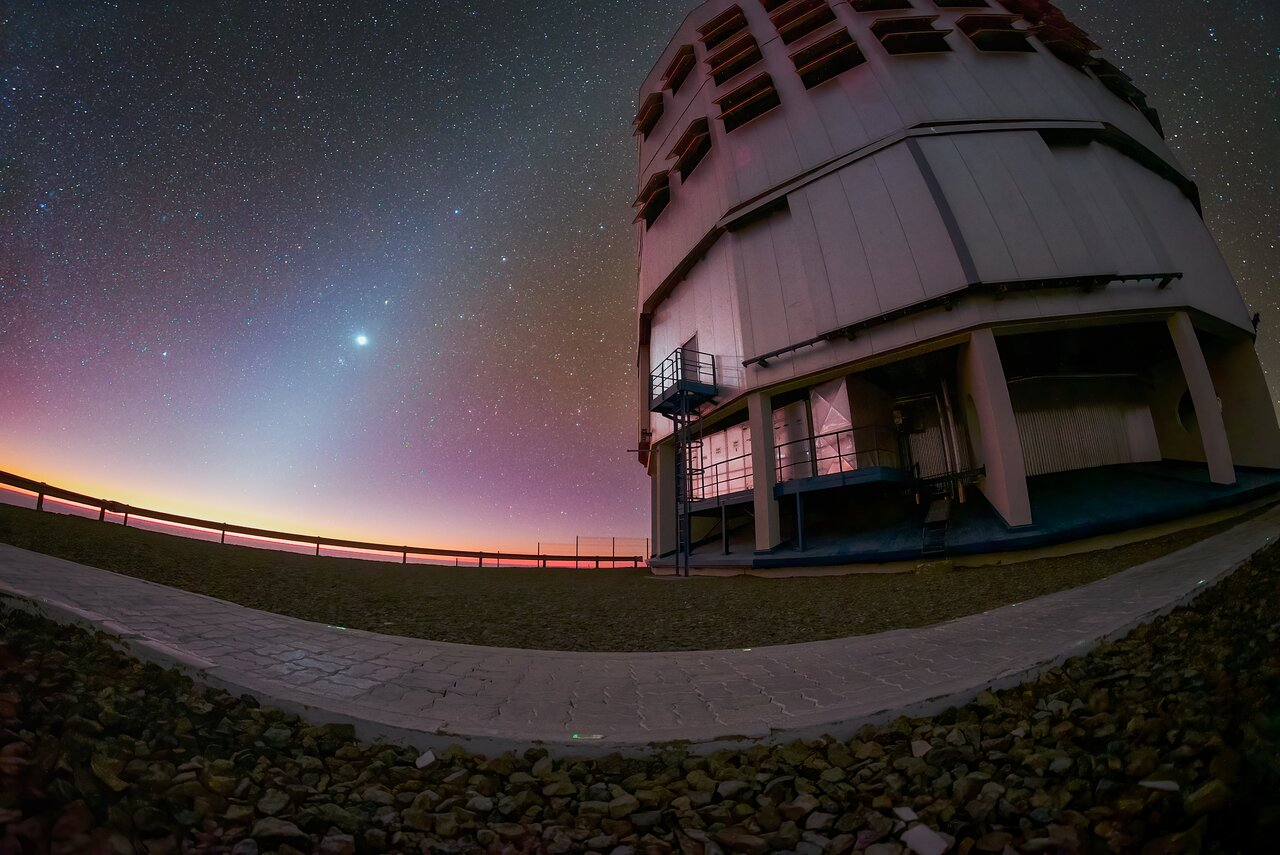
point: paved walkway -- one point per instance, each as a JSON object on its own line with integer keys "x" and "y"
{"x": 491, "y": 699}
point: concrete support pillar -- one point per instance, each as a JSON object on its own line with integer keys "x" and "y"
{"x": 1213, "y": 432}
{"x": 764, "y": 470}
{"x": 664, "y": 499}
{"x": 1247, "y": 409}
{"x": 983, "y": 380}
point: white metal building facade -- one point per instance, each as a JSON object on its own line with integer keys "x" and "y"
{"x": 931, "y": 247}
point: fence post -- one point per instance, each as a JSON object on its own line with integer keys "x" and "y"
{"x": 317, "y": 547}
{"x": 40, "y": 496}
{"x": 480, "y": 557}
{"x": 576, "y": 539}
{"x": 102, "y": 514}
{"x": 404, "y": 559}
{"x": 126, "y": 517}
{"x": 223, "y": 539}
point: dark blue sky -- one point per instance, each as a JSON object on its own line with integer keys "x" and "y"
{"x": 204, "y": 206}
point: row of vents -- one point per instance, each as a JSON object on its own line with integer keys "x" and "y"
{"x": 732, "y": 49}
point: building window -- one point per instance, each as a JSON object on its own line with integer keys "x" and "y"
{"x": 693, "y": 146}
{"x": 880, "y": 5}
{"x": 1063, "y": 39}
{"x": 653, "y": 199}
{"x": 749, "y": 101}
{"x": 722, "y": 27}
{"x": 649, "y": 115}
{"x": 826, "y": 58}
{"x": 678, "y": 71}
{"x": 995, "y": 33}
{"x": 910, "y": 35}
{"x": 796, "y": 19}
{"x": 734, "y": 57}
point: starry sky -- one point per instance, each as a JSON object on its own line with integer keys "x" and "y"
{"x": 367, "y": 269}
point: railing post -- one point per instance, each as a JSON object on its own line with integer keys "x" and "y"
{"x": 404, "y": 557}
{"x": 576, "y": 540}
{"x": 40, "y": 496}
{"x": 223, "y": 539}
{"x": 317, "y": 547}
{"x": 480, "y": 559}
{"x": 102, "y": 514}
{"x": 125, "y": 523}
{"x": 800, "y": 521}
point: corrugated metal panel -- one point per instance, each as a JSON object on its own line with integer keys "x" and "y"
{"x": 928, "y": 452}
{"x": 1088, "y": 427}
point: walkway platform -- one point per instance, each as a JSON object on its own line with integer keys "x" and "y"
{"x": 431, "y": 694}
{"x": 1066, "y": 506}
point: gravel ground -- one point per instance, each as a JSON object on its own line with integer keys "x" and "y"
{"x": 599, "y": 610}
{"x": 1167, "y": 741}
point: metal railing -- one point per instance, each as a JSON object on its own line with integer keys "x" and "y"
{"x": 104, "y": 507}
{"x": 683, "y": 365}
{"x": 724, "y": 477}
{"x": 832, "y": 453}
{"x": 824, "y": 454}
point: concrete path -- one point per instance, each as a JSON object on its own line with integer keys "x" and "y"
{"x": 491, "y": 699}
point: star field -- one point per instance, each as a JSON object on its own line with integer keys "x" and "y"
{"x": 368, "y": 269}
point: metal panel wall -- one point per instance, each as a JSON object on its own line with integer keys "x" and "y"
{"x": 1088, "y": 425}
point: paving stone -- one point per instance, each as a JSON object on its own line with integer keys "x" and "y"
{"x": 616, "y": 701}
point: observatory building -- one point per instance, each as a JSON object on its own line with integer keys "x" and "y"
{"x": 923, "y": 276}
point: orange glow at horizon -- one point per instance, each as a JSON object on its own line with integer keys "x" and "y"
{"x": 418, "y": 552}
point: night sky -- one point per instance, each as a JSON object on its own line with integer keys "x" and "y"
{"x": 367, "y": 270}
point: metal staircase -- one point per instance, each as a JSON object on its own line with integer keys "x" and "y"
{"x": 678, "y": 388}
{"x": 934, "y": 538}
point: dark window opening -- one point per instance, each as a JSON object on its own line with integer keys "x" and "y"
{"x": 798, "y": 18}
{"x": 693, "y": 146}
{"x": 649, "y": 115}
{"x": 880, "y": 5}
{"x": 827, "y": 58}
{"x": 722, "y": 27}
{"x": 1064, "y": 39}
{"x": 749, "y": 101}
{"x": 735, "y": 57}
{"x": 678, "y": 71}
{"x": 653, "y": 199}
{"x": 995, "y": 33}
{"x": 910, "y": 35}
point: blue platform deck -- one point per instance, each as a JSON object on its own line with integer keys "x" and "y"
{"x": 1066, "y": 506}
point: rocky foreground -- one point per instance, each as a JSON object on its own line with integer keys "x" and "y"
{"x": 1165, "y": 742}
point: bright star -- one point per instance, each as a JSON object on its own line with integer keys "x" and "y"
{"x": 362, "y": 340}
